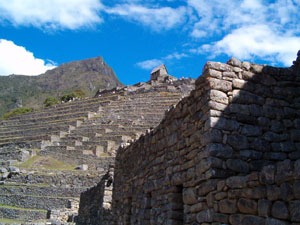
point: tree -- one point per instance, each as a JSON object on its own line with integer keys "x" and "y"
{"x": 50, "y": 101}
{"x": 75, "y": 94}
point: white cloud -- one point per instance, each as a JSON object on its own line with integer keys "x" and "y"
{"x": 152, "y": 63}
{"x": 257, "y": 41}
{"x": 16, "y": 59}
{"x": 157, "y": 18}
{"x": 251, "y": 29}
{"x": 149, "y": 64}
{"x": 51, "y": 14}
{"x": 176, "y": 55}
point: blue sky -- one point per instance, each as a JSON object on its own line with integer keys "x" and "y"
{"x": 134, "y": 36}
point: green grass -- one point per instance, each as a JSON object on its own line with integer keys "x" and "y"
{"x": 10, "y": 221}
{"x": 15, "y": 185}
{"x": 48, "y": 163}
{"x": 25, "y": 209}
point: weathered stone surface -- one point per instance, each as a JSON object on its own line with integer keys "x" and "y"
{"x": 207, "y": 187}
{"x": 249, "y": 130}
{"x": 221, "y": 123}
{"x": 234, "y": 62}
{"x": 212, "y": 136}
{"x": 264, "y": 207}
{"x": 205, "y": 216}
{"x": 267, "y": 175}
{"x": 238, "y": 142}
{"x": 189, "y": 196}
{"x": 220, "y": 85}
{"x": 244, "y": 97}
{"x": 250, "y": 220}
{"x": 198, "y": 207}
{"x": 227, "y": 206}
{"x": 272, "y": 221}
{"x": 295, "y": 211}
{"x": 247, "y": 206}
{"x": 237, "y": 182}
{"x": 237, "y": 165}
{"x": 279, "y": 210}
{"x": 219, "y": 150}
{"x": 286, "y": 191}
{"x": 273, "y": 192}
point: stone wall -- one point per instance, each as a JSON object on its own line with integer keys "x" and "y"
{"x": 95, "y": 204}
{"x": 227, "y": 154}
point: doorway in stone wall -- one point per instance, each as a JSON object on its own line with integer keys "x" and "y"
{"x": 175, "y": 199}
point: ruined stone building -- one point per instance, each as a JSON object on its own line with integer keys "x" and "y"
{"x": 49, "y": 157}
{"x": 229, "y": 153}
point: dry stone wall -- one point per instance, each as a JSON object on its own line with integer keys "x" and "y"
{"x": 95, "y": 204}
{"x": 227, "y": 154}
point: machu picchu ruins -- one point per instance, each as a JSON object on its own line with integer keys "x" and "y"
{"x": 221, "y": 149}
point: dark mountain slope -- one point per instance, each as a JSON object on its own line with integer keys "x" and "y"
{"x": 88, "y": 75}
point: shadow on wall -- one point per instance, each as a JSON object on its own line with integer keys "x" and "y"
{"x": 227, "y": 154}
{"x": 95, "y": 204}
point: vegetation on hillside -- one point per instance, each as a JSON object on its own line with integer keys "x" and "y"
{"x": 87, "y": 75}
{"x": 46, "y": 162}
{"x": 17, "y": 111}
{"x": 50, "y": 101}
{"x": 75, "y": 94}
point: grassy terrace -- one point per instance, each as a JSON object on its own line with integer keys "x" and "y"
{"x": 47, "y": 163}
{"x": 43, "y": 123}
{"x": 68, "y": 106}
{"x": 36, "y": 196}
{"x": 48, "y": 117}
{"x": 10, "y": 221}
{"x": 24, "y": 209}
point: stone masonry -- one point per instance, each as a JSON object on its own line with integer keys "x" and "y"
{"x": 227, "y": 154}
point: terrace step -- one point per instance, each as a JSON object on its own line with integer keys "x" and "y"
{"x": 34, "y": 202}
{"x": 22, "y": 214}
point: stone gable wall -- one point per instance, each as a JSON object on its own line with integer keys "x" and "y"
{"x": 227, "y": 154}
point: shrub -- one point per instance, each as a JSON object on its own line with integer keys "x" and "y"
{"x": 78, "y": 93}
{"x": 17, "y": 111}
{"x": 75, "y": 94}
{"x": 50, "y": 101}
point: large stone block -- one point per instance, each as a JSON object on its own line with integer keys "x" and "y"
{"x": 220, "y": 85}
{"x": 207, "y": 187}
{"x": 205, "y": 216}
{"x": 189, "y": 196}
{"x": 280, "y": 210}
{"x": 219, "y": 150}
{"x": 228, "y": 206}
{"x": 236, "y": 182}
{"x": 237, "y": 165}
{"x": 264, "y": 207}
{"x": 245, "y": 97}
{"x": 247, "y": 206}
{"x": 294, "y": 207}
{"x": 238, "y": 142}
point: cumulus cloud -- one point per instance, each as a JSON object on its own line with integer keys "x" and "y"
{"x": 155, "y": 17}
{"x": 51, "y": 14}
{"x": 251, "y": 29}
{"x": 16, "y": 59}
{"x": 257, "y": 41}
